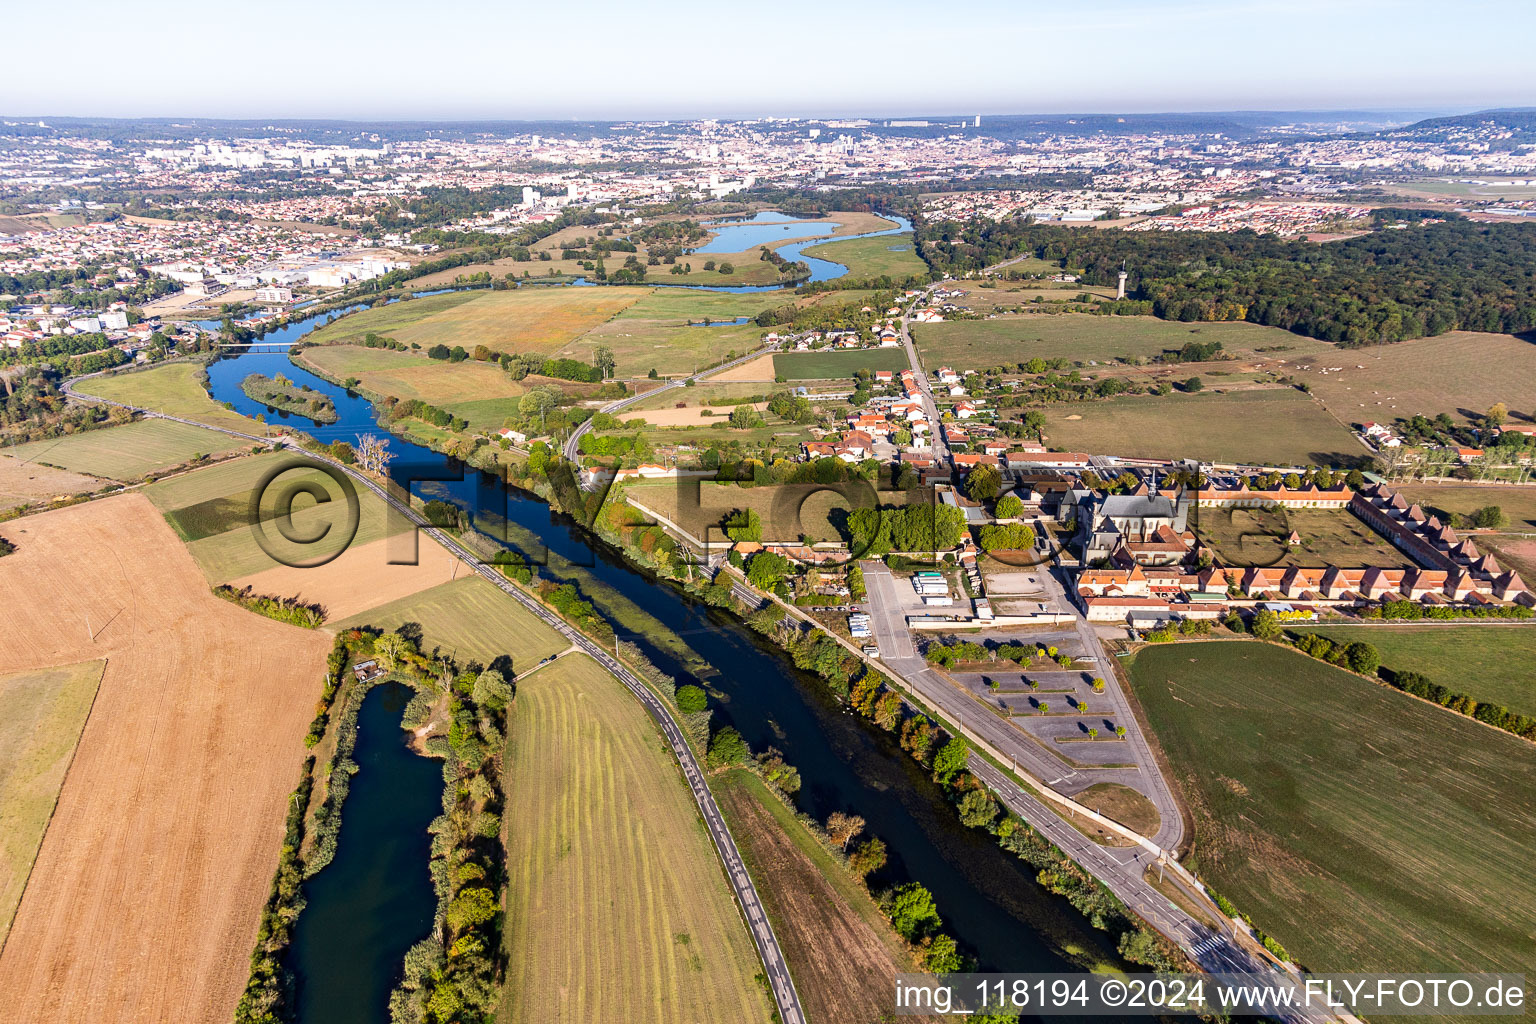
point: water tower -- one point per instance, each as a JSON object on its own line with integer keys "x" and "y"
{"x": 1120, "y": 292}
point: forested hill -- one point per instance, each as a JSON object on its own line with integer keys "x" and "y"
{"x": 1388, "y": 285}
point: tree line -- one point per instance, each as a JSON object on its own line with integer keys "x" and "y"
{"x": 1422, "y": 279}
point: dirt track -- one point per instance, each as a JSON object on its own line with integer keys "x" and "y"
{"x": 144, "y": 900}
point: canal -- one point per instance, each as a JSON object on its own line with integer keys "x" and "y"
{"x": 988, "y": 899}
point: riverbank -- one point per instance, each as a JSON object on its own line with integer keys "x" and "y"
{"x": 1011, "y": 923}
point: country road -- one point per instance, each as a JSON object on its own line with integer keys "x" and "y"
{"x": 785, "y": 996}
{"x": 572, "y": 447}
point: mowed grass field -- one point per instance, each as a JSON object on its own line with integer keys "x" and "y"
{"x": 1274, "y": 426}
{"x": 173, "y": 389}
{"x": 210, "y": 510}
{"x": 1364, "y": 830}
{"x": 470, "y": 620}
{"x": 891, "y": 255}
{"x": 1258, "y": 536}
{"x": 130, "y": 451}
{"x": 1083, "y": 337}
{"x": 523, "y": 320}
{"x": 1518, "y": 503}
{"x": 412, "y": 375}
{"x": 787, "y": 511}
{"x": 45, "y": 709}
{"x": 617, "y": 908}
{"x": 1492, "y": 663}
{"x": 1013, "y": 294}
{"x": 1458, "y": 374}
{"x": 829, "y": 365}
{"x": 145, "y": 897}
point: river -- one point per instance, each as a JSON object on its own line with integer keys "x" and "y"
{"x": 989, "y": 899}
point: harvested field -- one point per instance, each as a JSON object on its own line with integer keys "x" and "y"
{"x": 45, "y": 710}
{"x": 1460, "y": 374}
{"x": 1275, "y": 427}
{"x": 815, "y": 906}
{"x": 130, "y": 451}
{"x": 1318, "y": 796}
{"x": 145, "y": 897}
{"x": 175, "y": 389}
{"x": 617, "y": 907}
{"x": 404, "y": 375}
{"x": 759, "y": 369}
{"x": 469, "y": 619}
{"x": 22, "y": 483}
{"x": 523, "y": 320}
{"x": 361, "y": 577}
{"x": 699, "y": 395}
{"x": 1259, "y": 536}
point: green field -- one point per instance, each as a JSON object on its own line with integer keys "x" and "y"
{"x": 1492, "y": 663}
{"x": 1364, "y": 830}
{"x": 668, "y": 346}
{"x": 1275, "y": 426}
{"x": 829, "y": 365}
{"x": 1258, "y": 536}
{"x": 210, "y": 510}
{"x": 45, "y": 712}
{"x": 1518, "y": 503}
{"x": 787, "y": 511}
{"x": 174, "y": 389}
{"x": 616, "y": 906}
{"x": 127, "y": 452}
{"x": 1083, "y": 337}
{"x": 531, "y": 320}
{"x": 891, "y": 255}
{"x": 470, "y": 620}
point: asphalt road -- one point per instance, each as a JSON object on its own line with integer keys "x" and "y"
{"x": 784, "y": 995}
{"x": 1121, "y": 869}
{"x": 938, "y": 445}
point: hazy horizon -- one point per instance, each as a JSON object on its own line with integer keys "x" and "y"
{"x": 350, "y": 61}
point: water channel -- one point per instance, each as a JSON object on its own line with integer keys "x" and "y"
{"x": 361, "y": 918}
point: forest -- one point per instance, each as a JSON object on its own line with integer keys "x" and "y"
{"x": 1412, "y": 277}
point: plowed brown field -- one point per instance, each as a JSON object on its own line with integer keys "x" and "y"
{"x": 144, "y": 900}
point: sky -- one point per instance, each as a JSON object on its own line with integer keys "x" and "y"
{"x": 610, "y": 60}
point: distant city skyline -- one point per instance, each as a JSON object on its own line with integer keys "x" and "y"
{"x": 611, "y": 61}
